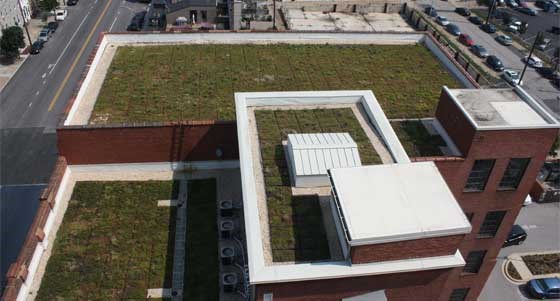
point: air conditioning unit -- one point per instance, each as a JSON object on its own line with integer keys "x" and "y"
{"x": 229, "y": 282}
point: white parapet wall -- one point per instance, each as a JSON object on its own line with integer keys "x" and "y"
{"x": 84, "y": 102}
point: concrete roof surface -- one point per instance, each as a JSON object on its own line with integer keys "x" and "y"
{"x": 395, "y": 202}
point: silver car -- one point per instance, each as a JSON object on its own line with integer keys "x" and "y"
{"x": 44, "y": 34}
{"x": 480, "y": 51}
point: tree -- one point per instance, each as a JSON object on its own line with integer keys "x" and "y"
{"x": 48, "y": 5}
{"x": 11, "y": 42}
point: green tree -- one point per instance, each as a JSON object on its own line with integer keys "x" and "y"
{"x": 48, "y": 5}
{"x": 11, "y": 42}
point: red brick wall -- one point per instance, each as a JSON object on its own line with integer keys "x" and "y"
{"x": 536, "y": 190}
{"x": 184, "y": 141}
{"x": 501, "y": 146}
{"x": 455, "y": 123}
{"x": 426, "y": 247}
{"x": 418, "y": 286}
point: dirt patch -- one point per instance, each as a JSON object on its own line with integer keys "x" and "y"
{"x": 512, "y": 271}
{"x": 543, "y": 264}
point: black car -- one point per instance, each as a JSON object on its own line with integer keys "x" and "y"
{"x": 476, "y": 20}
{"x": 548, "y": 73}
{"x": 463, "y": 11}
{"x": 71, "y": 2}
{"x": 555, "y": 29}
{"x": 489, "y": 28}
{"x": 516, "y": 236}
{"x": 137, "y": 22}
{"x": 52, "y": 26}
{"x": 494, "y": 62}
{"x": 527, "y": 11}
{"x": 453, "y": 29}
{"x": 430, "y": 11}
{"x": 37, "y": 46}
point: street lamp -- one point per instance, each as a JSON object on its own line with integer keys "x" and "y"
{"x": 538, "y": 38}
{"x": 24, "y": 23}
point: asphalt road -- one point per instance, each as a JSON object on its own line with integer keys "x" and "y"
{"x": 540, "y": 221}
{"x": 538, "y": 87}
{"x": 31, "y": 105}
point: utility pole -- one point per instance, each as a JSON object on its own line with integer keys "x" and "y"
{"x": 274, "y": 14}
{"x": 530, "y": 54}
{"x": 490, "y": 11}
{"x": 24, "y": 22}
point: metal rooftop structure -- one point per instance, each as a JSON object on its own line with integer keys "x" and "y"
{"x": 311, "y": 155}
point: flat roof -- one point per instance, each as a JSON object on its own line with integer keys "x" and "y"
{"x": 501, "y": 108}
{"x": 315, "y": 153}
{"x": 395, "y": 202}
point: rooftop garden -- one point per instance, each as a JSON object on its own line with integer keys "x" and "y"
{"x": 201, "y": 245}
{"x": 190, "y": 82}
{"x": 416, "y": 139}
{"x": 297, "y": 232}
{"x": 114, "y": 242}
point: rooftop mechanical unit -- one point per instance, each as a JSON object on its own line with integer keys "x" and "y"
{"x": 311, "y": 155}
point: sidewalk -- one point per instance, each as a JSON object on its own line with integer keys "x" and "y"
{"x": 7, "y": 71}
{"x": 522, "y": 268}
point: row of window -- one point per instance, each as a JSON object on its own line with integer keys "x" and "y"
{"x": 482, "y": 169}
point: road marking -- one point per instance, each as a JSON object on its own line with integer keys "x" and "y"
{"x": 529, "y": 227}
{"x": 44, "y": 82}
{"x": 68, "y": 44}
{"x": 36, "y": 94}
{"x": 44, "y": 74}
{"x": 65, "y": 80}
{"x": 114, "y": 21}
{"x": 29, "y": 106}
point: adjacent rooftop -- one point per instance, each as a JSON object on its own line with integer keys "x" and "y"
{"x": 501, "y": 108}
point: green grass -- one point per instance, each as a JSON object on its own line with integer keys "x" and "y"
{"x": 296, "y": 226}
{"x": 114, "y": 242}
{"x": 201, "y": 249}
{"x": 416, "y": 140}
{"x": 192, "y": 82}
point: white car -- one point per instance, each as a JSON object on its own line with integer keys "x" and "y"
{"x": 512, "y": 77}
{"x": 60, "y": 14}
{"x": 534, "y": 61}
{"x": 441, "y": 20}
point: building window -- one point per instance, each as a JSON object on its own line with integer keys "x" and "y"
{"x": 459, "y": 294}
{"x": 491, "y": 224}
{"x": 474, "y": 261}
{"x": 268, "y": 297}
{"x": 514, "y": 173}
{"x": 479, "y": 175}
{"x": 204, "y": 15}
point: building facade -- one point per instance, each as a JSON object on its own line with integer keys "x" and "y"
{"x": 11, "y": 14}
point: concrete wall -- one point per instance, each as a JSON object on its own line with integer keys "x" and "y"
{"x": 417, "y": 248}
{"x": 169, "y": 142}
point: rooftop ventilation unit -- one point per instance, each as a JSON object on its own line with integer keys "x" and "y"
{"x": 229, "y": 282}
{"x": 226, "y": 228}
{"x": 226, "y": 208}
{"x": 227, "y": 255}
{"x": 311, "y": 155}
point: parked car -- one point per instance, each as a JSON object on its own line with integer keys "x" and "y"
{"x": 512, "y": 3}
{"x": 466, "y": 39}
{"x": 476, "y": 20}
{"x": 533, "y": 61}
{"x": 44, "y": 35}
{"x": 453, "y": 29}
{"x": 463, "y": 11}
{"x": 512, "y": 20}
{"x": 543, "y": 44}
{"x": 495, "y": 63}
{"x": 548, "y": 73}
{"x": 528, "y": 11}
{"x": 37, "y": 46}
{"x": 480, "y": 51}
{"x": 555, "y": 29}
{"x": 441, "y": 20}
{"x": 489, "y": 28}
{"x": 516, "y": 236}
{"x": 60, "y": 14}
{"x": 545, "y": 288}
{"x": 512, "y": 77}
{"x": 540, "y": 3}
{"x": 53, "y": 26}
{"x": 430, "y": 11}
{"x": 137, "y": 22}
{"x": 71, "y": 2}
{"x": 504, "y": 40}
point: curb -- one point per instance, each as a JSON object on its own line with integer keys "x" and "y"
{"x": 23, "y": 60}
{"x": 507, "y": 276}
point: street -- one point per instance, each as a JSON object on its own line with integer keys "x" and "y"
{"x": 31, "y": 105}
{"x": 538, "y": 87}
{"x": 540, "y": 221}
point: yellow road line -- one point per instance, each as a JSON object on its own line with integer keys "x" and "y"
{"x": 65, "y": 80}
